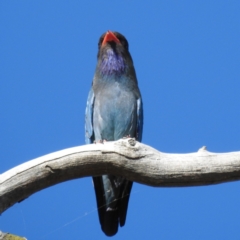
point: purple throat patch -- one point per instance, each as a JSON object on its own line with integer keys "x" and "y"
{"x": 112, "y": 63}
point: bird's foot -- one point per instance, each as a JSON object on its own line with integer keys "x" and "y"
{"x": 128, "y": 136}
{"x": 100, "y": 141}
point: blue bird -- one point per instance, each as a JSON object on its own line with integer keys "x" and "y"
{"x": 114, "y": 110}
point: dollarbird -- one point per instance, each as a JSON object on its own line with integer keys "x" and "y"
{"x": 114, "y": 111}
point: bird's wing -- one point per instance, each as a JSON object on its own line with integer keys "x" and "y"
{"x": 139, "y": 119}
{"x": 89, "y": 135}
{"x": 127, "y": 186}
{"x": 89, "y": 138}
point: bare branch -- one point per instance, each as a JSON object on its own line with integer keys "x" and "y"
{"x": 126, "y": 157}
{"x": 9, "y": 236}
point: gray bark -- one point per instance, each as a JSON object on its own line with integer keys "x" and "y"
{"x": 128, "y": 158}
{"x": 9, "y": 236}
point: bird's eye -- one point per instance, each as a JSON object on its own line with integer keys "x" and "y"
{"x": 100, "y": 41}
{"x": 125, "y": 44}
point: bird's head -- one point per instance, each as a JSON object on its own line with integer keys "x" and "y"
{"x": 112, "y": 40}
{"x": 113, "y": 55}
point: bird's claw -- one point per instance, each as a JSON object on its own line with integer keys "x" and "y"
{"x": 128, "y": 136}
{"x": 100, "y": 141}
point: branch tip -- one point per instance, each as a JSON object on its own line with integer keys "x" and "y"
{"x": 204, "y": 148}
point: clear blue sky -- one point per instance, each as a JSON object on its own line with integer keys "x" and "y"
{"x": 187, "y": 57}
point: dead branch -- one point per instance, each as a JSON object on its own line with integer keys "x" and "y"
{"x": 133, "y": 160}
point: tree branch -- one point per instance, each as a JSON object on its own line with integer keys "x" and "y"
{"x": 127, "y": 158}
{"x": 9, "y": 236}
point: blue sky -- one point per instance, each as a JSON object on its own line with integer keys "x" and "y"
{"x": 186, "y": 55}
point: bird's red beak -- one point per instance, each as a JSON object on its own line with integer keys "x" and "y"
{"x": 109, "y": 36}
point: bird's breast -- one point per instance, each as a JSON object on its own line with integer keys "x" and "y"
{"x": 114, "y": 112}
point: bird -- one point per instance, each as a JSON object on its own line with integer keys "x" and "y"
{"x": 114, "y": 110}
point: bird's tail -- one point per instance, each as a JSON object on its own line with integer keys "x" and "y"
{"x": 112, "y": 195}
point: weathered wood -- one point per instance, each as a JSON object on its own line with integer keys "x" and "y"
{"x": 9, "y": 236}
{"x": 126, "y": 157}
